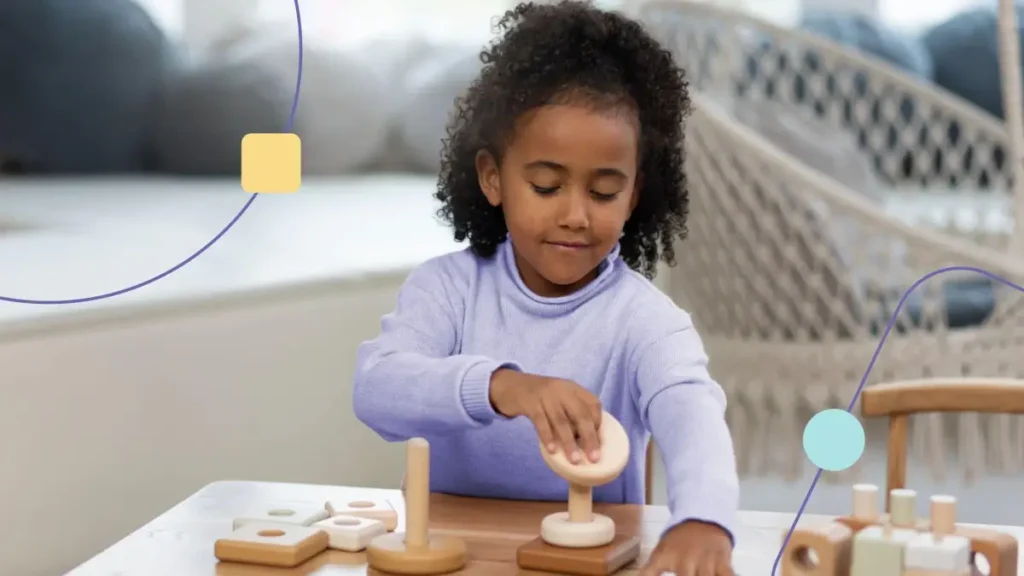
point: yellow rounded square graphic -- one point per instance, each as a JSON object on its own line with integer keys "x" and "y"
{"x": 271, "y": 163}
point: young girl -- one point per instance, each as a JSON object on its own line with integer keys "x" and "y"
{"x": 564, "y": 170}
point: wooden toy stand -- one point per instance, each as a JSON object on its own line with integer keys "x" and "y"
{"x": 416, "y": 551}
{"x": 579, "y": 541}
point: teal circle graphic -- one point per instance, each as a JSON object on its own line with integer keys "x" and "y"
{"x": 834, "y": 440}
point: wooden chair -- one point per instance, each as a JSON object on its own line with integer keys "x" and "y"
{"x": 898, "y": 400}
{"x": 649, "y": 475}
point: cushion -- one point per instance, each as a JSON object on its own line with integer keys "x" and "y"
{"x": 345, "y": 107}
{"x": 394, "y": 57}
{"x": 432, "y": 87}
{"x": 968, "y": 303}
{"x": 965, "y": 52}
{"x": 207, "y": 110}
{"x": 76, "y": 82}
{"x": 872, "y": 37}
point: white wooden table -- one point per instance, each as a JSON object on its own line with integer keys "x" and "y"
{"x": 180, "y": 541}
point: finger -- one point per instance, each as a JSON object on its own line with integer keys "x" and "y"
{"x": 563, "y": 430}
{"x": 544, "y": 432}
{"x": 708, "y": 566}
{"x": 686, "y": 567}
{"x": 586, "y": 431}
{"x": 596, "y": 410}
{"x": 724, "y": 565}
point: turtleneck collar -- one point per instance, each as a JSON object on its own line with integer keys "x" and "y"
{"x": 608, "y": 270}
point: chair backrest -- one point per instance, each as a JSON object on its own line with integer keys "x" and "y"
{"x": 898, "y": 400}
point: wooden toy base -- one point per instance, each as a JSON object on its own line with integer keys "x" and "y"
{"x": 1000, "y": 550}
{"x": 390, "y": 554}
{"x": 601, "y": 561}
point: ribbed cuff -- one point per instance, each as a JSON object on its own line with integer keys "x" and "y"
{"x": 707, "y": 511}
{"x": 475, "y": 392}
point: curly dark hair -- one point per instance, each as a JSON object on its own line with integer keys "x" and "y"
{"x": 567, "y": 51}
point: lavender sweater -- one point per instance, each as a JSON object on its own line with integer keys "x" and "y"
{"x": 460, "y": 317}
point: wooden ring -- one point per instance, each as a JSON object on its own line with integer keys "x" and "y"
{"x": 557, "y": 530}
{"x": 614, "y": 456}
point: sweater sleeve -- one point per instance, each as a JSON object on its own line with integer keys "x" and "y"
{"x": 408, "y": 380}
{"x": 684, "y": 409}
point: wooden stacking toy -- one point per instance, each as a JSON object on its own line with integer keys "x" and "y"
{"x": 416, "y": 551}
{"x": 580, "y": 541}
{"x": 287, "y": 536}
{"x": 868, "y": 543}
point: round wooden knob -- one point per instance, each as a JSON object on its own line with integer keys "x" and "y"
{"x": 614, "y": 456}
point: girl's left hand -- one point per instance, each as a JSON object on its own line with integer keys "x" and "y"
{"x": 692, "y": 549}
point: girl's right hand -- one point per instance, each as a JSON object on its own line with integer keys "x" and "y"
{"x": 564, "y": 413}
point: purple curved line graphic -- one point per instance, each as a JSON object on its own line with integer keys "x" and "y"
{"x": 186, "y": 261}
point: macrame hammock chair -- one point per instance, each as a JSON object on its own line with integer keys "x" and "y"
{"x": 796, "y": 151}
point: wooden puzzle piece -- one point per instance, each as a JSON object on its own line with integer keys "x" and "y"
{"x": 937, "y": 546}
{"x": 879, "y": 551}
{"x": 940, "y": 549}
{"x": 580, "y": 542}
{"x": 999, "y": 549}
{"x": 416, "y": 551}
{"x": 821, "y": 551}
{"x": 947, "y": 553}
{"x": 379, "y": 510}
{"x": 297, "y": 515}
{"x": 350, "y": 533}
{"x": 271, "y": 544}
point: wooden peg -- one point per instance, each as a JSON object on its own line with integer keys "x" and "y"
{"x": 416, "y": 551}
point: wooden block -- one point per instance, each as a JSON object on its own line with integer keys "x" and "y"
{"x": 350, "y": 533}
{"x": 271, "y": 544}
{"x": 998, "y": 548}
{"x": 602, "y": 561}
{"x": 947, "y": 553}
{"x": 832, "y": 544}
{"x": 374, "y": 509}
{"x": 295, "y": 515}
{"x": 879, "y": 551}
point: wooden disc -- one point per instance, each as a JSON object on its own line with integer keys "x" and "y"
{"x": 614, "y": 456}
{"x": 557, "y": 530}
{"x": 442, "y": 554}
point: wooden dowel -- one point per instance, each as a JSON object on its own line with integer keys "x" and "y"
{"x": 417, "y": 492}
{"x": 581, "y": 503}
